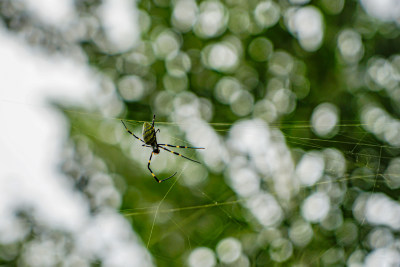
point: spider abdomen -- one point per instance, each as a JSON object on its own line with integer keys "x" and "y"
{"x": 149, "y": 135}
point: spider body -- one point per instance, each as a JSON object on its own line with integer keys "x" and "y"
{"x": 149, "y": 134}
{"x": 149, "y": 137}
{"x": 150, "y": 140}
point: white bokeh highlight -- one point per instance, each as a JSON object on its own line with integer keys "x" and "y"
{"x": 229, "y": 250}
{"x": 119, "y": 18}
{"x": 315, "y": 207}
{"x": 56, "y": 13}
{"x": 30, "y": 179}
{"x": 324, "y": 120}
{"x": 202, "y": 257}
{"x": 307, "y": 25}
{"x": 386, "y": 10}
{"x": 310, "y": 168}
{"x": 381, "y": 210}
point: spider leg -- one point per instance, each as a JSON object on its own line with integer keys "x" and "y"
{"x": 176, "y": 153}
{"x": 154, "y": 117}
{"x": 192, "y": 147}
{"x": 131, "y": 132}
{"x": 158, "y": 130}
{"x": 146, "y": 145}
{"x": 152, "y": 173}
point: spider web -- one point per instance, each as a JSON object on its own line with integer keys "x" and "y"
{"x": 169, "y": 217}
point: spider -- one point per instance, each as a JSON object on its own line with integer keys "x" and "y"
{"x": 150, "y": 140}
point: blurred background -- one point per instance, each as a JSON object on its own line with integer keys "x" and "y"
{"x": 297, "y": 103}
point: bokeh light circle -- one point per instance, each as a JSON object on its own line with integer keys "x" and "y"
{"x": 178, "y": 64}
{"x": 242, "y": 103}
{"x": 350, "y": 46}
{"x": 212, "y": 19}
{"x": 310, "y": 168}
{"x": 325, "y": 119}
{"x": 280, "y": 250}
{"x": 300, "y": 233}
{"x": 184, "y": 15}
{"x": 221, "y": 56}
{"x": 202, "y": 257}
{"x": 166, "y": 42}
{"x": 229, "y": 250}
{"x": 306, "y": 23}
{"x": 267, "y": 13}
{"x": 281, "y": 63}
{"x": 131, "y": 88}
{"x": 315, "y": 207}
{"x": 260, "y": 49}
{"x": 226, "y": 88}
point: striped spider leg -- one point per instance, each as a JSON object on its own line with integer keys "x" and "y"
{"x": 178, "y": 154}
